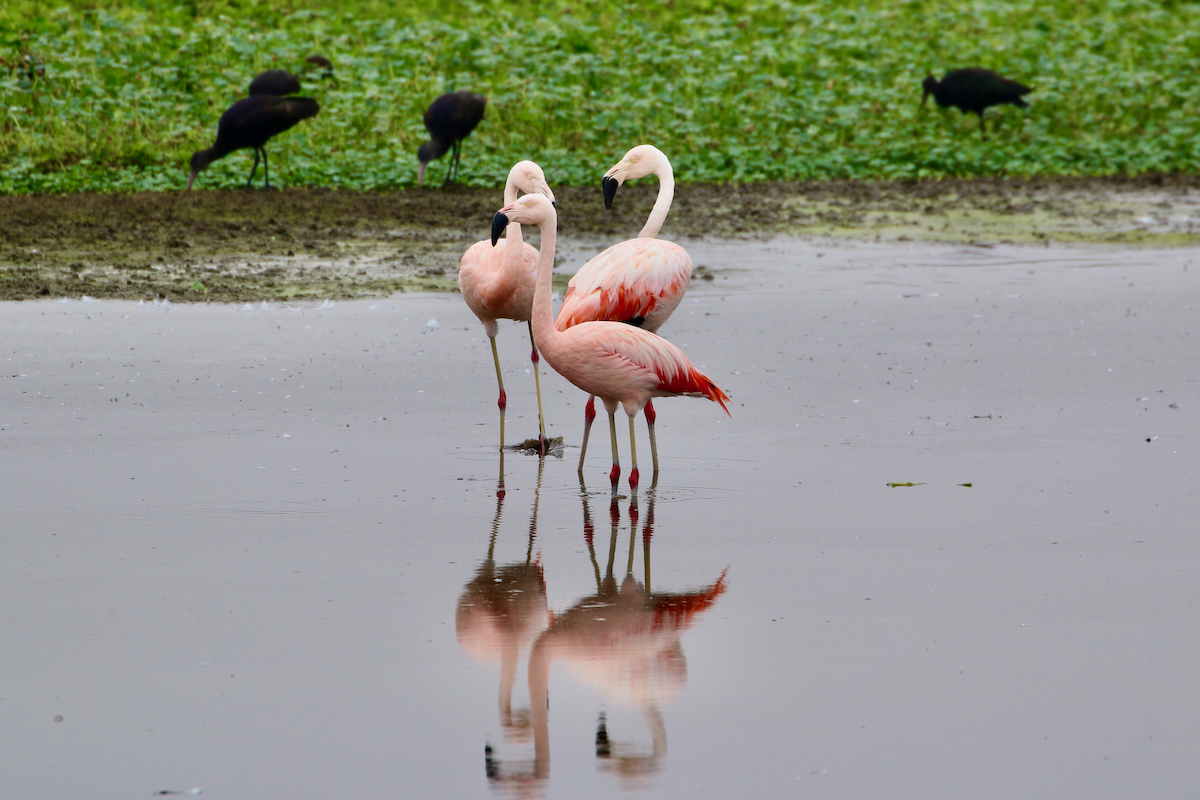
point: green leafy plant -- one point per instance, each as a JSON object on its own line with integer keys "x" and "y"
{"x": 115, "y": 97}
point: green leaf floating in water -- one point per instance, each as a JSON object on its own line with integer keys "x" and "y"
{"x": 908, "y": 483}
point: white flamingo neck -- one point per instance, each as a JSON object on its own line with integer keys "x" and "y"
{"x": 513, "y": 251}
{"x": 666, "y": 193}
{"x": 542, "y": 317}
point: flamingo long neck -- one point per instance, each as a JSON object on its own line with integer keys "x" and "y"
{"x": 666, "y": 192}
{"x": 544, "y": 333}
{"x": 509, "y": 276}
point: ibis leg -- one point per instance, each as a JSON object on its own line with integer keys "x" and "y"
{"x": 253, "y": 169}
{"x": 503, "y": 401}
{"x": 266, "y": 171}
{"x": 589, "y": 414}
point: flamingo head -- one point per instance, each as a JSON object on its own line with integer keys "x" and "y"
{"x": 643, "y": 160}
{"x": 930, "y": 85}
{"x": 530, "y": 209}
{"x": 529, "y": 178}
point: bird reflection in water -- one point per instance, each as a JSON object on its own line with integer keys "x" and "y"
{"x": 500, "y": 612}
{"x": 624, "y": 641}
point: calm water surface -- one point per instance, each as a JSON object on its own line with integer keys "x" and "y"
{"x": 263, "y": 551}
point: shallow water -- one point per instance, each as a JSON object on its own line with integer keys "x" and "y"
{"x": 247, "y": 548}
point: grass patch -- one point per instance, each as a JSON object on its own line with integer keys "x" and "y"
{"x": 115, "y": 97}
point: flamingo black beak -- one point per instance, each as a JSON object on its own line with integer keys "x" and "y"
{"x": 609, "y": 185}
{"x": 499, "y": 223}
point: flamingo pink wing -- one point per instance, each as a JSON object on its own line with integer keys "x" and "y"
{"x": 631, "y": 280}
{"x": 673, "y": 372}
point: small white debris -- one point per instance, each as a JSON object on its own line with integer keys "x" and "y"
{"x": 433, "y": 325}
{"x": 287, "y": 436}
{"x": 87, "y": 299}
{"x": 195, "y": 790}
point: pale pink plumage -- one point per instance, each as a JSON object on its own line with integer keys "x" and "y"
{"x": 639, "y": 281}
{"x": 616, "y": 362}
{"x": 622, "y": 364}
{"x": 636, "y": 280}
{"x": 492, "y": 292}
{"x": 497, "y": 282}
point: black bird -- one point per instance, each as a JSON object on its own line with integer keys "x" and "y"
{"x": 249, "y": 123}
{"x": 283, "y": 83}
{"x": 278, "y": 82}
{"x": 974, "y": 90}
{"x": 449, "y": 119}
{"x": 324, "y": 63}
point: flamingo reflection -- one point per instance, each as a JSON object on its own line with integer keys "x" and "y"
{"x": 500, "y": 612}
{"x": 624, "y": 640}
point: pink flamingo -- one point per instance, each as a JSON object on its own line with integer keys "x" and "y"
{"x": 616, "y": 362}
{"x": 639, "y": 281}
{"x": 497, "y": 280}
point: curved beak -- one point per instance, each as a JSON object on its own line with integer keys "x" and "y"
{"x": 191, "y": 180}
{"x": 609, "y": 185}
{"x": 925, "y": 97}
{"x": 548, "y": 192}
{"x": 421, "y": 174}
{"x": 499, "y": 223}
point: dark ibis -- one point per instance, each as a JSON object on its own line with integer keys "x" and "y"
{"x": 249, "y": 123}
{"x": 278, "y": 82}
{"x": 974, "y": 90}
{"x": 283, "y": 83}
{"x": 323, "y": 63}
{"x": 449, "y": 119}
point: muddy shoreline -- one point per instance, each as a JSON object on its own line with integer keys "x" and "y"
{"x": 302, "y": 243}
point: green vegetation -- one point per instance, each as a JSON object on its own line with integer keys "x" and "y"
{"x": 106, "y": 96}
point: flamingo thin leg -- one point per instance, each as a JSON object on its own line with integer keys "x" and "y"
{"x": 633, "y": 474}
{"x": 537, "y": 382}
{"x": 615, "y": 475}
{"x": 589, "y": 414}
{"x": 266, "y": 169}
{"x": 503, "y": 401}
{"x": 651, "y": 415}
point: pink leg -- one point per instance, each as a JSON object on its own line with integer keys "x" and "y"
{"x": 615, "y": 474}
{"x": 651, "y": 416}
{"x": 503, "y": 401}
{"x": 543, "y": 446}
{"x": 589, "y": 414}
{"x": 633, "y": 475}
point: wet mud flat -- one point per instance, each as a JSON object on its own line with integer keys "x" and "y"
{"x": 325, "y": 244}
{"x": 239, "y": 539}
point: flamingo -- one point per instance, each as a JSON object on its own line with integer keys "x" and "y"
{"x": 639, "y": 281}
{"x": 619, "y": 363}
{"x": 624, "y": 640}
{"x": 497, "y": 281}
